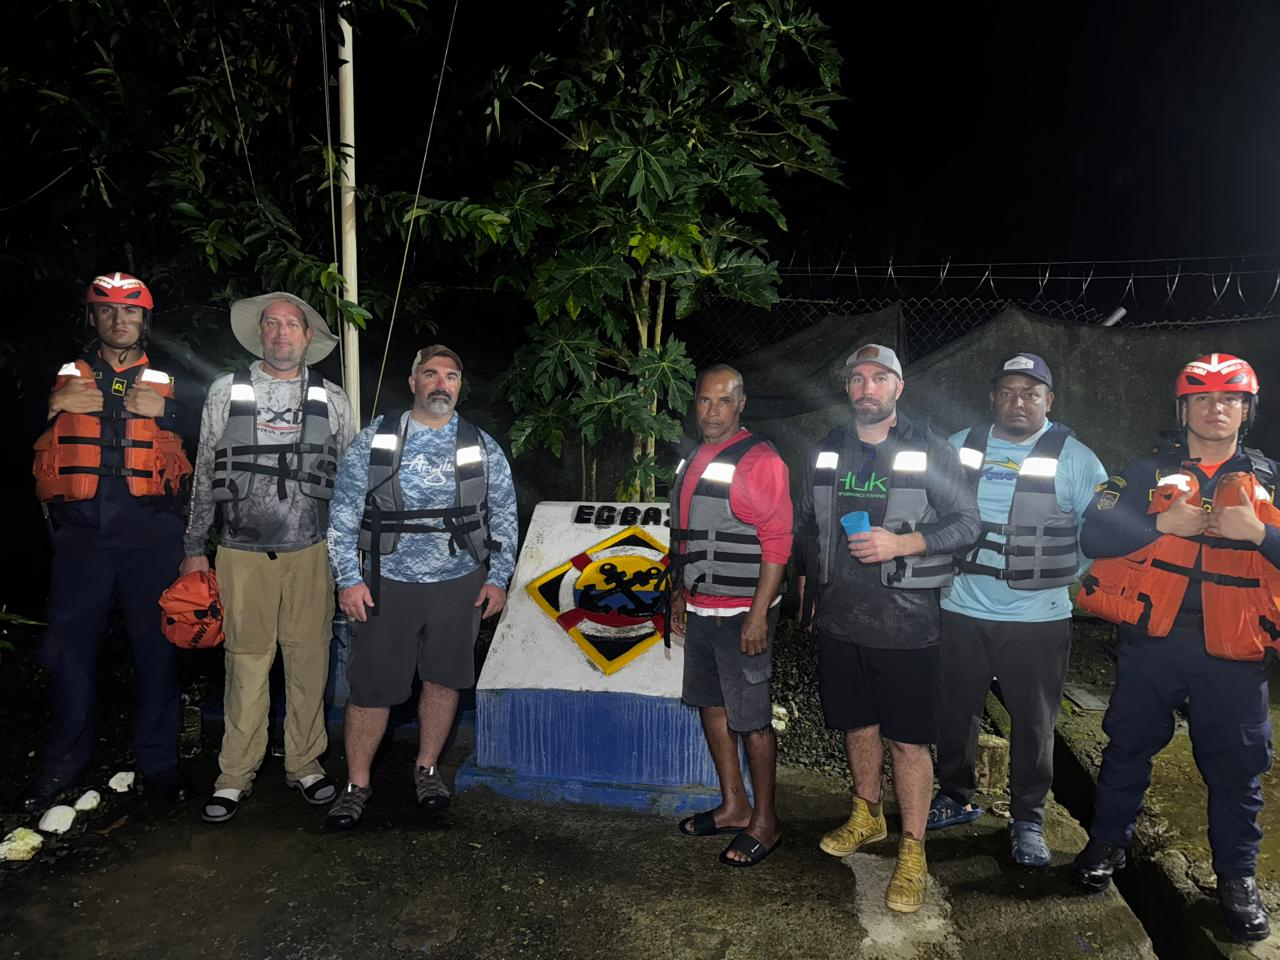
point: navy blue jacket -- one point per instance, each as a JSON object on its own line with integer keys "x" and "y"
{"x": 1117, "y": 523}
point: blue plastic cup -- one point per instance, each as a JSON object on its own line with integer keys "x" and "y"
{"x": 856, "y": 521}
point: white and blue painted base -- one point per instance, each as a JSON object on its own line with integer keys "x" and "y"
{"x": 553, "y": 727}
{"x": 617, "y": 750}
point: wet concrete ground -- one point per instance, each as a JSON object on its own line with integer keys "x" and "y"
{"x": 1169, "y": 880}
{"x": 494, "y": 878}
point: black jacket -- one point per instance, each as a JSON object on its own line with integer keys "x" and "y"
{"x": 854, "y": 605}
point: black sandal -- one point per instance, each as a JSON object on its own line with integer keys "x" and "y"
{"x": 225, "y": 804}
{"x": 753, "y": 848}
{"x": 703, "y": 825}
{"x": 312, "y": 794}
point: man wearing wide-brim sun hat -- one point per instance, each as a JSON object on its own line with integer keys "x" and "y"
{"x": 270, "y": 440}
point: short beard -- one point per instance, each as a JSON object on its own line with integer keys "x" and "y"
{"x": 437, "y": 406}
{"x": 282, "y": 365}
{"x": 867, "y": 415}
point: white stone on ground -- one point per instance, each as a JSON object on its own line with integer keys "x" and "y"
{"x": 89, "y": 800}
{"x": 20, "y": 844}
{"x": 122, "y": 782}
{"x": 891, "y": 935}
{"x": 57, "y": 819}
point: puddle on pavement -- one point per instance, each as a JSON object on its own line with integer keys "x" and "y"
{"x": 889, "y": 935}
{"x": 1179, "y": 797}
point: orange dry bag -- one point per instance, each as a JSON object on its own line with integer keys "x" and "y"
{"x": 191, "y": 613}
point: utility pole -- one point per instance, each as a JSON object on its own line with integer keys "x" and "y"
{"x": 347, "y": 193}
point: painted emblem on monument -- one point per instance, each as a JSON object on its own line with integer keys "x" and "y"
{"x": 609, "y": 597}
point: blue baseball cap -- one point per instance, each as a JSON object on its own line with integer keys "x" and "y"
{"x": 1028, "y": 365}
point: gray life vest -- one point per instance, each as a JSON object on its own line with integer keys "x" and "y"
{"x": 466, "y": 523}
{"x": 906, "y": 508}
{"x": 310, "y": 463}
{"x": 1040, "y": 538}
{"x": 721, "y": 554}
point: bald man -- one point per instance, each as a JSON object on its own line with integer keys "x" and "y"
{"x": 730, "y": 541}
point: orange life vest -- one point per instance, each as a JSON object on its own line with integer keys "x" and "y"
{"x": 1240, "y": 589}
{"x": 68, "y": 458}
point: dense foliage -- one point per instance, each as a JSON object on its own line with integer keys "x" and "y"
{"x": 671, "y": 117}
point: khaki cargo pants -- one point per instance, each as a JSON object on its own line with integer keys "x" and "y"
{"x": 285, "y": 601}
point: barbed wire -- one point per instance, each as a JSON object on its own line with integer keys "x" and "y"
{"x": 943, "y": 301}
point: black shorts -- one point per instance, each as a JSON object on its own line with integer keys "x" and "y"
{"x": 718, "y": 674}
{"x": 428, "y": 626}
{"x": 865, "y": 686}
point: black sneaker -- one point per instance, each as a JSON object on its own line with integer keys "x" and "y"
{"x": 433, "y": 795}
{"x": 348, "y": 808}
{"x": 1242, "y": 909}
{"x": 1096, "y": 863}
{"x": 41, "y": 792}
{"x": 169, "y": 787}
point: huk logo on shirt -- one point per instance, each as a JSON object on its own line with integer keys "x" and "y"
{"x": 873, "y": 486}
{"x": 608, "y": 598}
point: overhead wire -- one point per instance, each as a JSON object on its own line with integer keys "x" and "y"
{"x": 413, "y": 213}
{"x": 331, "y": 166}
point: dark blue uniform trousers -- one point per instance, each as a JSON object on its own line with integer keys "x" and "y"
{"x": 1230, "y": 739}
{"x": 86, "y": 579}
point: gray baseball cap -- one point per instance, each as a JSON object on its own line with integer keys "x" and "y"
{"x": 874, "y": 353}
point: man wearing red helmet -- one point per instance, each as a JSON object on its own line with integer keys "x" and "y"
{"x": 1192, "y": 590}
{"x": 112, "y": 471}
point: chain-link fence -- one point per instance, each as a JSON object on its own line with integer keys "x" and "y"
{"x": 931, "y": 316}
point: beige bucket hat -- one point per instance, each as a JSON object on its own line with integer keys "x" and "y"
{"x": 244, "y": 324}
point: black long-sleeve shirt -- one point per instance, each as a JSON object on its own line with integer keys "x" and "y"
{"x": 855, "y": 606}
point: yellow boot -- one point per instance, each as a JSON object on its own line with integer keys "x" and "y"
{"x": 860, "y": 828}
{"x": 910, "y": 879}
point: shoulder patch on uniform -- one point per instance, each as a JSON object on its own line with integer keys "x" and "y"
{"x": 1108, "y": 499}
{"x": 1114, "y": 484}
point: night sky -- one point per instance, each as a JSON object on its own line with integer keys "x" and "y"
{"x": 1008, "y": 131}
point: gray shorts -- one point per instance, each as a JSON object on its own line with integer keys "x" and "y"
{"x": 430, "y": 626}
{"x": 718, "y": 674}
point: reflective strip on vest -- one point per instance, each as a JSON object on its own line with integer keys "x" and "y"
{"x": 825, "y": 466}
{"x": 910, "y": 461}
{"x": 721, "y": 554}
{"x": 718, "y": 472}
{"x": 907, "y": 507}
{"x": 308, "y": 465}
{"x": 150, "y": 375}
{"x": 386, "y": 515}
{"x": 971, "y": 459}
{"x": 1039, "y": 544}
{"x": 69, "y": 370}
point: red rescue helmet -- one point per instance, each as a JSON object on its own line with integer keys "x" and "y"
{"x": 1214, "y": 373}
{"x": 119, "y": 288}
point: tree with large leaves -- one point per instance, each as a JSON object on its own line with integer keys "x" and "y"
{"x": 671, "y": 118}
{"x": 187, "y": 143}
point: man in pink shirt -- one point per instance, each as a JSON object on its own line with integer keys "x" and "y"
{"x": 730, "y": 541}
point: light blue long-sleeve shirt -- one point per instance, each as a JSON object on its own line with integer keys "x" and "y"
{"x": 427, "y": 479}
{"x": 986, "y": 598}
